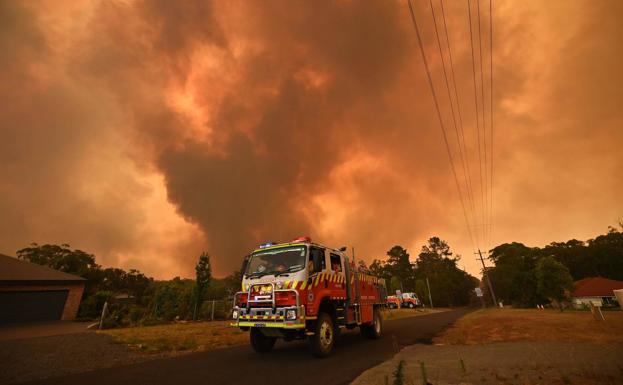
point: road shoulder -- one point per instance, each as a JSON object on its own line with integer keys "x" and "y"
{"x": 509, "y": 363}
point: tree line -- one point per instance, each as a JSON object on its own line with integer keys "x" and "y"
{"x": 527, "y": 276}
{"x": 133, "y": 297}
{"x": 449, "y": 285}
{"x": 522, "y": 276}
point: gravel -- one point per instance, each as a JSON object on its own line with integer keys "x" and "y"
{"x": 42, "y": 357}
{"x": 504, "y": 363}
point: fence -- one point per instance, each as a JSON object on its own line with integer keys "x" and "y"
{"x": 119, "y": 314}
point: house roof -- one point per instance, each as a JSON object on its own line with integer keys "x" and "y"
{"x": 15, "y": 271}
{"x": 596, "y": 287}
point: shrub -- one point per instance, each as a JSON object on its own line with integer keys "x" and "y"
{"x": 91, "y": 307}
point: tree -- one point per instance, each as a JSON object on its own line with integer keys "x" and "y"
{"x": 233, "y": 283}
{"x": 361, "y": 265}
{"x": 513, "y": 275}
{"x": 203, "y": 276}
{"x": 450, "y": 286}
{"x": 398, "y": 265}
{"x": 553, "y": 280}
{"x": 61, "y": 258}
{"x": 421, "y": 290}
{"x": 377, "y": 268}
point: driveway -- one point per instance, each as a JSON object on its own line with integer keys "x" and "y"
{"x": 41, "y": 329}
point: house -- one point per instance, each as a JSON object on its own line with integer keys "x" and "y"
{"x": 598, "y": 290}
{"x": 31, "y": 292}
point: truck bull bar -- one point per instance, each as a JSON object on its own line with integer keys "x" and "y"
{"x": 250, "y": 318}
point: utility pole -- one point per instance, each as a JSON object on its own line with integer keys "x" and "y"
{"x": 430, "y": 297}
{"x": 484, "y": 272}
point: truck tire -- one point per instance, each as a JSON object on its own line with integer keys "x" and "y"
{"x": 411, "y": 306}
{"x": 322, "y": 342}
{"x": 374, "y": 330}
{"x": 261, "y": 343}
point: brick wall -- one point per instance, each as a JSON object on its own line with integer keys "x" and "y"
{"x": 73, "y": 296}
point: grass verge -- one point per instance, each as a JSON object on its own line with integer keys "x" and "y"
{"x": 180, "y": 338}
{"x": 391, "y": 314}
{"x": 505, "y": 325}
{"x": 202, "y": 336}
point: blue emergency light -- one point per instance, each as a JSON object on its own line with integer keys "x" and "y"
{"x": 267, "y": 244}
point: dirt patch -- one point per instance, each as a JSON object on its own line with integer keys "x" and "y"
{"x": 505, "y": 325}
{"x": 555, "y": 363}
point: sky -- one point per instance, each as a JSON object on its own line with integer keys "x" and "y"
{"x": 145, "y": 132}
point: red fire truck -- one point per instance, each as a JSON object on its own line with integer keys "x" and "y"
{"x": 409, "y": 300}
{"x": 303, "y": 290}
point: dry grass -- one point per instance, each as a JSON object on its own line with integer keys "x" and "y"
{"x": 179, "y": 338}
{"x": 200, "y": 336}
{"x": 391, "y": 314}
{"x": 505, "y": 325}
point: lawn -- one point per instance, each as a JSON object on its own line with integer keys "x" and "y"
{"x": 505, "y": 325}
{"x": 180, "y": 337}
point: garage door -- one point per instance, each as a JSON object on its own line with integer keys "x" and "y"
{"x": 30, "y": 306}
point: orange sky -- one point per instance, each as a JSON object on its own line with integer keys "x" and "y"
{"x": 147, "y": 131}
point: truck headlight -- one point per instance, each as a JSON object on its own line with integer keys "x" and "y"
{"x": 235, "y": 314}
{"x": 290, "y": 314}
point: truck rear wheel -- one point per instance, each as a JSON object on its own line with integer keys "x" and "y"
{"x": 261, "y": 343}
{"x": 373, "y": 330}
{"x": 322, "y": 342}
{"x": 411, "y": 306}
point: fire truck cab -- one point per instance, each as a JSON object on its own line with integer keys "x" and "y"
{"x": 303, "y": 290}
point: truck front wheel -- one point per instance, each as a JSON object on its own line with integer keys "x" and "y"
{"x": 321, "y": 343}
{"x": 261, "y": 343}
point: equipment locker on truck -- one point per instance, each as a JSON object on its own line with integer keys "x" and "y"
{"x": 303, "y": 290}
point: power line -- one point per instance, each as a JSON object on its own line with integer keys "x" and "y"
{"x": 458, "y": 107}
{"x": 491, "y": 118}
{"x": 471, "y": 39}
{"x": 443, "y": 129}
{"x": 484, "y": 124}
{"x": 456, "y": 129}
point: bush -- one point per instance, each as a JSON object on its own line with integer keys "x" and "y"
{"x": 136, "y": 314}
{"x": 91, "y": 307}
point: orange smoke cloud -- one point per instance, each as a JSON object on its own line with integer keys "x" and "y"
{"x": 146, "y": 132}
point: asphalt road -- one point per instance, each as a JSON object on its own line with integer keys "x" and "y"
{"x": 289, "y": 363}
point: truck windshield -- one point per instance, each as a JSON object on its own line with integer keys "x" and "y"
{"x": 276, "y": 261}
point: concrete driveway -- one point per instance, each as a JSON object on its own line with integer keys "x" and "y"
{"x": 41, "y": 329}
